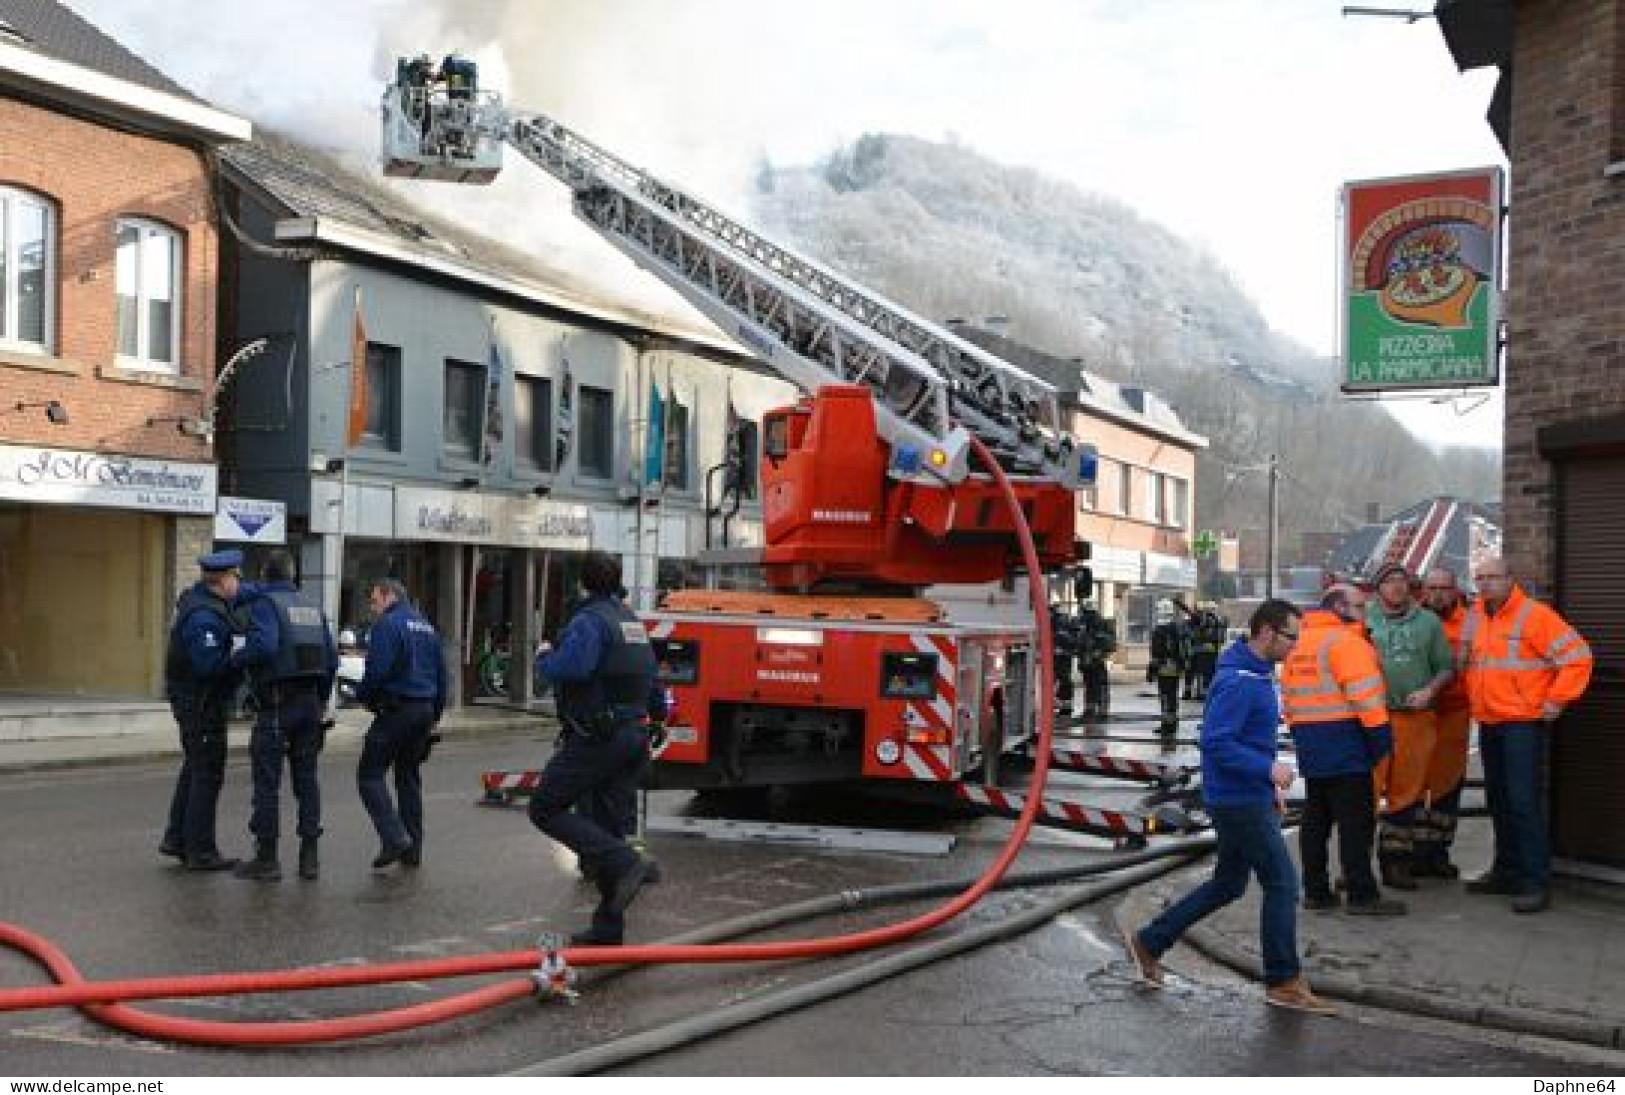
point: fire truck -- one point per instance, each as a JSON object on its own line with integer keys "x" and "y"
{"x": 837, "y": 668}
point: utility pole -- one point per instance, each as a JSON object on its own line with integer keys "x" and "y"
{"x": 1271, "y": 563}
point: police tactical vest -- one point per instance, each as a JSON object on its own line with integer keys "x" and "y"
{"x": 625, "y": 673}
{"x": 178, "y": 675}
{"x": 301, "y": 653}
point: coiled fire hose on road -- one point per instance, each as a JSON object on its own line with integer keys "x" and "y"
{"x": 107, "y": 1000}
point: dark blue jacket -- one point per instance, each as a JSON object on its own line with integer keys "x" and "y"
{"x": 404, "y": 660}
{"x": 265, "y": 632}
{"x": 201, "y": 639}
{"x": 1341, "y": 748}
{"x": 1238, "y": 730}
{"x": 581, "y": 647}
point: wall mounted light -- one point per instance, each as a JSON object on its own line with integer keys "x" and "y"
{"x": 55, "y": 413}
{"x": 191, "y": 427}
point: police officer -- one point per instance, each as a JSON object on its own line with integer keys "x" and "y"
{"x": 199, "y": 681}
{"x": 405, "y": 687}
{"x": 604, "y": 673}
{"x": 290, "y": 661}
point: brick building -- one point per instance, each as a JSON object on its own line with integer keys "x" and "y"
{"x": 1559, "y": 111}
{"x": 108, "y": 283}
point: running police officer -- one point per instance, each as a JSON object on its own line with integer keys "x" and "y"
{"x": 604, "y": 673}
{"x": 199, "y": 681}
{"x": 405, "y": 687}
{"x": 291, "y": 661}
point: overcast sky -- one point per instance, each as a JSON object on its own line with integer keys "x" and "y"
{"x": 1233, "y": 123}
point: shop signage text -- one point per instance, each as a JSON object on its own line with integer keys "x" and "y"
{"x": 96, "y": 479}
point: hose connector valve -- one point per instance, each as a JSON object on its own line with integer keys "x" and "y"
{"x": 554, "y": 977}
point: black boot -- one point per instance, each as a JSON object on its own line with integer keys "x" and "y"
{"x": 309, "y": 864}
{"x": 264, "y": 867}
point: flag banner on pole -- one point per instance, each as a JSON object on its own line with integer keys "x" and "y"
{"x": 491, "y": 435}
{"x": 654, "y": 448}
{"x": 565, "y": 427}
{"x": 359, "y": 393}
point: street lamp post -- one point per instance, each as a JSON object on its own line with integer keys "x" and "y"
{"x": 1270, "y": 533}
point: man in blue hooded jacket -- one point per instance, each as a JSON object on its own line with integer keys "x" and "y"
{"x": 1242, "y": 786}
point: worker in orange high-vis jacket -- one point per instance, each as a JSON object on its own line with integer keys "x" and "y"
{"x": 1524, "y": 664}
{"x": 1435, "y": 830}
{"x": 1332, "y": 692}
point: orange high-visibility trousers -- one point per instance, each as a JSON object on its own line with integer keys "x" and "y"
{"x": 1401, "y": 779}
{"x": 1449, "y": 764}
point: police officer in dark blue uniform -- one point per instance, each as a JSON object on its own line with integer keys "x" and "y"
{"x": 604, "y": 672}
{"x": 291, "y": 662}
{"x": 405, "y": 686}
{"x": 200, "y": 681}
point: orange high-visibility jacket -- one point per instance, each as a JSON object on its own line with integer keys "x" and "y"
{"x": 1453, "y": 696}
{"x": 1332, "y": 675}
{"x": 1520, "y": 659}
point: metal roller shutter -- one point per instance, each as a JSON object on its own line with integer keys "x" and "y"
{"x": 1588, "y": 746}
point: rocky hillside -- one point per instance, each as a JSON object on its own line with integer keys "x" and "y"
{"x": 1085, "y": 280}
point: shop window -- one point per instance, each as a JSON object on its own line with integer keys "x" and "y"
{"x": 383, "y": 398}
{"x": 675, "y": 472}
{"x": 743, "y": 458}
{"x": 147, "y": 277}
{"x": 597, "y": 453}
{"x": 465, "y": 400}
{"x": 27, "y": 270}
{"x": 533, "y": 414}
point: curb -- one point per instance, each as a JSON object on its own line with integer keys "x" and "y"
{"x": 1501, "y": 1017}
{"x": 472, "y": 728}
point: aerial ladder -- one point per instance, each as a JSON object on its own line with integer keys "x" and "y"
{"x": 842, "y": 672}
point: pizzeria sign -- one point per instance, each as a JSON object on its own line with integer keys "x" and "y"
{"x": 1421, "y": 275}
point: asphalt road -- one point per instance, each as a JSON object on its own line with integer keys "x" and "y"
{"x": 80, "y": 866}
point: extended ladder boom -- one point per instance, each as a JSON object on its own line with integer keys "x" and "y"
{"x": 813, "y": 326}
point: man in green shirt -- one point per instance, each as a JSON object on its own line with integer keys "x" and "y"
{"x": 1416, "y": 663}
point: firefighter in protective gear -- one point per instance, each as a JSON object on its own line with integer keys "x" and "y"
{"x": 604, "y": 671}
{"x": 1523, "y": 665}
{"x": 1207, "y": 632}
{"x": 1435, "y": 829}
{"x": 1066, "y": 646}
{"x": 1416, "y": 663}
{"x": 291, "y": 663}
{"x": 1170, "y": 654}
{"x": 1332, "y": 693}
{"x": 1101, "y": 643}
{"x": 200, "y": 681}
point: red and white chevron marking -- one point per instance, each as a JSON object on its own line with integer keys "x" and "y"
{"x": 1064, "y": 815}
{"x": 1102, "y": 764}
{"x": 510, "y": 783}
{"x": 937, "y": 713}
{"x": 929, "y": 762}
{"x": 662, "y": 629}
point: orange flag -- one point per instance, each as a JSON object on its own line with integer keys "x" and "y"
{"x": 358, "y": 377}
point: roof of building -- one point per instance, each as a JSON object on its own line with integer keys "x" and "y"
{"x": 57, "y": 31}
{"x": 1435, "y": 532}
{"x": 305, "y": 183}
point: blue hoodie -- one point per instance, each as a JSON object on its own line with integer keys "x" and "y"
{"x": 1238, "y": 730}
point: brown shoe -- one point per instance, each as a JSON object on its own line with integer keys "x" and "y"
{"x": 1146, "y": 968}
{"x": 1295, "y": 994}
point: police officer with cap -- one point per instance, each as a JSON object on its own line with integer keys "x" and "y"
{"x": 405, "y": 687}
{"x": 291, "y": 662}
{"x": 200, "y": 681}
{"x": 604, "y": 671}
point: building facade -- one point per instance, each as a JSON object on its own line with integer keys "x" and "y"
{"x": 107, "y": 353}
{"x": 1559, "y": 111}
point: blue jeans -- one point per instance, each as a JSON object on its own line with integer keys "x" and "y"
{"x": 396, "y": 740}
{"x": 602, "y": 773}
{"x": 288, "y": 725}
{"x": 1514, "y": 756}
{"x": 1249, "y": 843}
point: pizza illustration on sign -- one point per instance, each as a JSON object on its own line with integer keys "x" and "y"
{"x": 1425, "y": 260}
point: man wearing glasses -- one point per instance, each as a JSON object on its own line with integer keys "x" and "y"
{"x": 1523, "y": 665}
{"x": 1242, "y": 787}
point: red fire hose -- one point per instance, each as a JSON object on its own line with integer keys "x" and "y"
{"x": 102, "y": 999}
